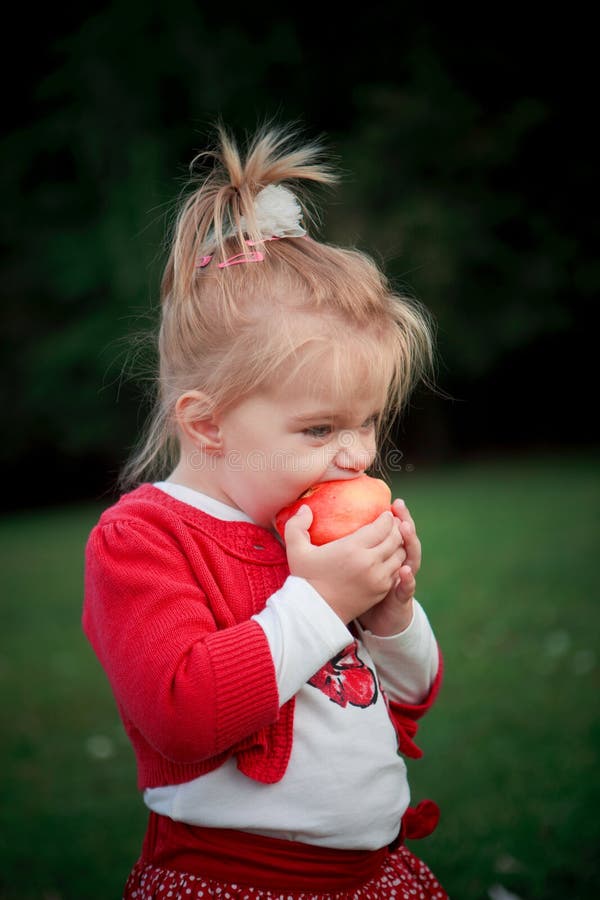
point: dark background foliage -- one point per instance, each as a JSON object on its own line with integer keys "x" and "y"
{"x": 469, "y": 166}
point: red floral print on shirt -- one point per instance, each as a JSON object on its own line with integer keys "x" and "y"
{"x": 345, "y": 679}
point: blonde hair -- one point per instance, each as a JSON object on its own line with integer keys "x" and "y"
{"x": 226, "y": 332}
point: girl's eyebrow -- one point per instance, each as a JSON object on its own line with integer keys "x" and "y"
{"x": 326, "y": 415}
{"x": 316, "y": 415}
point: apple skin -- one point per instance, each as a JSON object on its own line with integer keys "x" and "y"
{"x": 339, "y": 507}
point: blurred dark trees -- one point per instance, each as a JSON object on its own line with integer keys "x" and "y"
{"x": 469, "y": 166}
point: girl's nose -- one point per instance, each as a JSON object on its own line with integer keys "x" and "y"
{"x": 354, "y": 454}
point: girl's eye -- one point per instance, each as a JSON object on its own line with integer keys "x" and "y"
{"x": 318, "y": 431}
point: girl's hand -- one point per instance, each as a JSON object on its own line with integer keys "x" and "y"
{"x": 395, "y": 611}
{"x": 353, "y": 573}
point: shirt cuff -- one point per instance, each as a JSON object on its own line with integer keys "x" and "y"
{"x": 303, "y": 633}
{"x": 407, "y": 662}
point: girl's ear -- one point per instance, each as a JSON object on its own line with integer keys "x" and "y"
{"x": 197, "y": 422}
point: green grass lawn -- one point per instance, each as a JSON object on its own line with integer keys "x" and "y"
{"x": 511, "y": 749}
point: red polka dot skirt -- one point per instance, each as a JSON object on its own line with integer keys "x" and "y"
{"x": 402, "y": 876}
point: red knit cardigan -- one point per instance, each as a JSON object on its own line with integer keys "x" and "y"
{"x": 169, "y": 596}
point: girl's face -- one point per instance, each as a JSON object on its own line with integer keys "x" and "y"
{"x": 280, "y": 441}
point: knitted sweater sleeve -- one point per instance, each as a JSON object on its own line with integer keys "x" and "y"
{"x": 191, "y": 689}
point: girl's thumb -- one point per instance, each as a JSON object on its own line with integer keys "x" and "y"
{"x": 296, "y": 528}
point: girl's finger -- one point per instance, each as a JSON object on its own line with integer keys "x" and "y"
{"x": 408, "y": 520}
{"x": 391, "y": 569}
{"x": 400, "y": 510}
{"x": 413, "y": 547}
{"x": 392, "y": 547}
{"x": 406, "y": 581}
{"x": 376, "y": 533}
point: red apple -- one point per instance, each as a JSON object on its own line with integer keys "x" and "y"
{"x": 339, "y": 507}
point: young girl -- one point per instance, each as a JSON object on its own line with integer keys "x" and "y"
{"x": 268, "y": 686}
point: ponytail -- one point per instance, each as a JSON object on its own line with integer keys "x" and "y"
{"x": 221, "y": 208}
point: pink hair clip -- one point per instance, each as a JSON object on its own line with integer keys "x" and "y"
{"x": 256, "y": 256}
